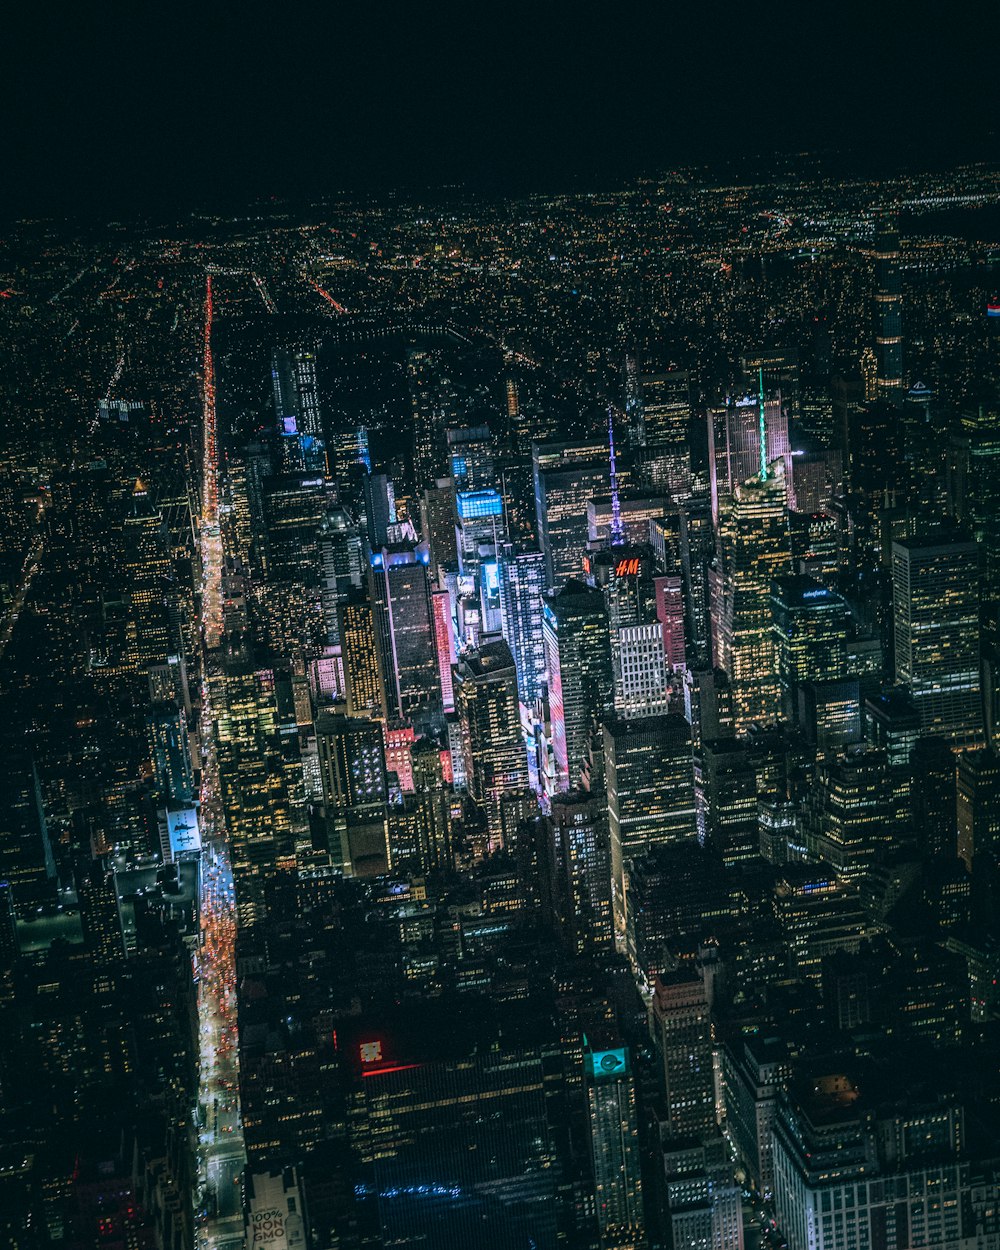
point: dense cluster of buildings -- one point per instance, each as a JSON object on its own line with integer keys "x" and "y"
{"x": 599, "y": 730}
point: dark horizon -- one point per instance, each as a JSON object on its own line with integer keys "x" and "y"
{"x": 111, "y": 114}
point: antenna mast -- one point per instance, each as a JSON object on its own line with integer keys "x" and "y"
{"x": 617, "y": 532}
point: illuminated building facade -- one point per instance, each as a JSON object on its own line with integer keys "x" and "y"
{"x": 522, "y": 585}
{"x": 400, "y": 594}
{"x": 935, "y": 586}
{"x": 888, "y": 309}
{"x": 650, "y": 785}
{"x": 754, "y": 550}
{"x": 495, "y": 757}
{"x": 578, "y": 663}
{"x": 614, "y": 1141}
{"x": 810, "y": 632}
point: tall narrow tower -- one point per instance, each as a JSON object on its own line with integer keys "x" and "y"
{"x": 888, "y": 308}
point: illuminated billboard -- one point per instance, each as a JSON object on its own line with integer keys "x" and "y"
{"x": 183, "y": 833}
{"x": 608, "y": 1063}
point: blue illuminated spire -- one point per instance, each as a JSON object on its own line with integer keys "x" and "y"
{"x": 763, "y": 431}
{"x": 617, "y": 532}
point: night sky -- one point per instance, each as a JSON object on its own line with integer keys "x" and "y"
{"x": 144, "y": 106}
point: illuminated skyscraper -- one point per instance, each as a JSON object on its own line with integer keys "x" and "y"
{"x": 296, "y": 406}
{"x": 735, "y": 441}
{"x": 495, "y": 757}
{"x": 400, "y": 594}
{"x": 754, "y": 550}
{"x": 583, "y": 869}
{"x": 935, "y": 586}
{"x": 260, "y": 770}
{"x": 567, "y": 476}
{"x": 682, "y": 1027}
{"x": 849, "y": 817}
{"x": 659, "y": 425}
{"x": 650, "y": 783}
{"x": 578, "y": 663}
{"x": 522, "y": 585}
{"x": 810, "y": 631}
{"x": 357, "y": 641}
{"x": 355, "y": 791}
{"x": 888, "y": 308}
{"x": 147, "y": 570}
{"x": 294, "y": 508}
{"x": 614, "y": 1142}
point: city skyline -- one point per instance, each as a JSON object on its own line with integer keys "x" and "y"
{"x": 500, "y": 633}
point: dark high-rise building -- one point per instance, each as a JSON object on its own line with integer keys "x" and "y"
{"x": 151, "y": 633}
{"x": 355, "y": 791}
{"x": 650, "y": 787}
{"x": 170, "y": 754}
{"x": 810, "y": 631}
{"x": 659, "y": 429}
{"x": 892, "y": 725}
{"x": 462, "y": 1151}
{"x": 932, "y": 796}
{"x": 614, "y": 1144}
{"x": 26, "y": 862}
{"x": 888, "y": 308}
{"x": 435, "y": 407}
{"x": 294, "y": 508}
{"x": 296, "y": 406}
{"x": 582, "y": 870}
{"x": 578, "y": 663}
{"x": 849, "y": 816}
{"x": 495, "y": 757}
{"x": 978, "y": 805}
{"x": 400, "y": 595}
{"x": 726, "y": 798}
{"x": 682, "y": 1027}
{"x": 935, "y": 586}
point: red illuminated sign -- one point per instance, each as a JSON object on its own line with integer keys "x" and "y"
{"x": 627, "y": 568}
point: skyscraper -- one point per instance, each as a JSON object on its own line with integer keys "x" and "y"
{"x": 495, "y": 757}
{"x": 810, "y": 630}
{"x": 888, "y": 308}
{"x": 754, "y": 550}
{"x": 659, "y": 425}
{"x": 850, "y": 815}
{"x": 614, "y": 1141}
{"x": 400, "y": 594}
{"x": 522, "y": 584}
{"x": 355, "y": 790}
{"x": 650, "y": 786}
{"x": 578, "y": 663}
{"x": 357, "y": 642}
{"x": 297, "y": 412}
{"x": 682, "y": 1029}
{"x": 978, "y": 805}
{"x": 935, "y": 587}
{"x": 147, "y": 568}
{"x": 567, "y": 476}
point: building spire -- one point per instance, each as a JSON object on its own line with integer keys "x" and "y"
{"x": 762, "y": 427}
{"x": 617, "y": 533}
